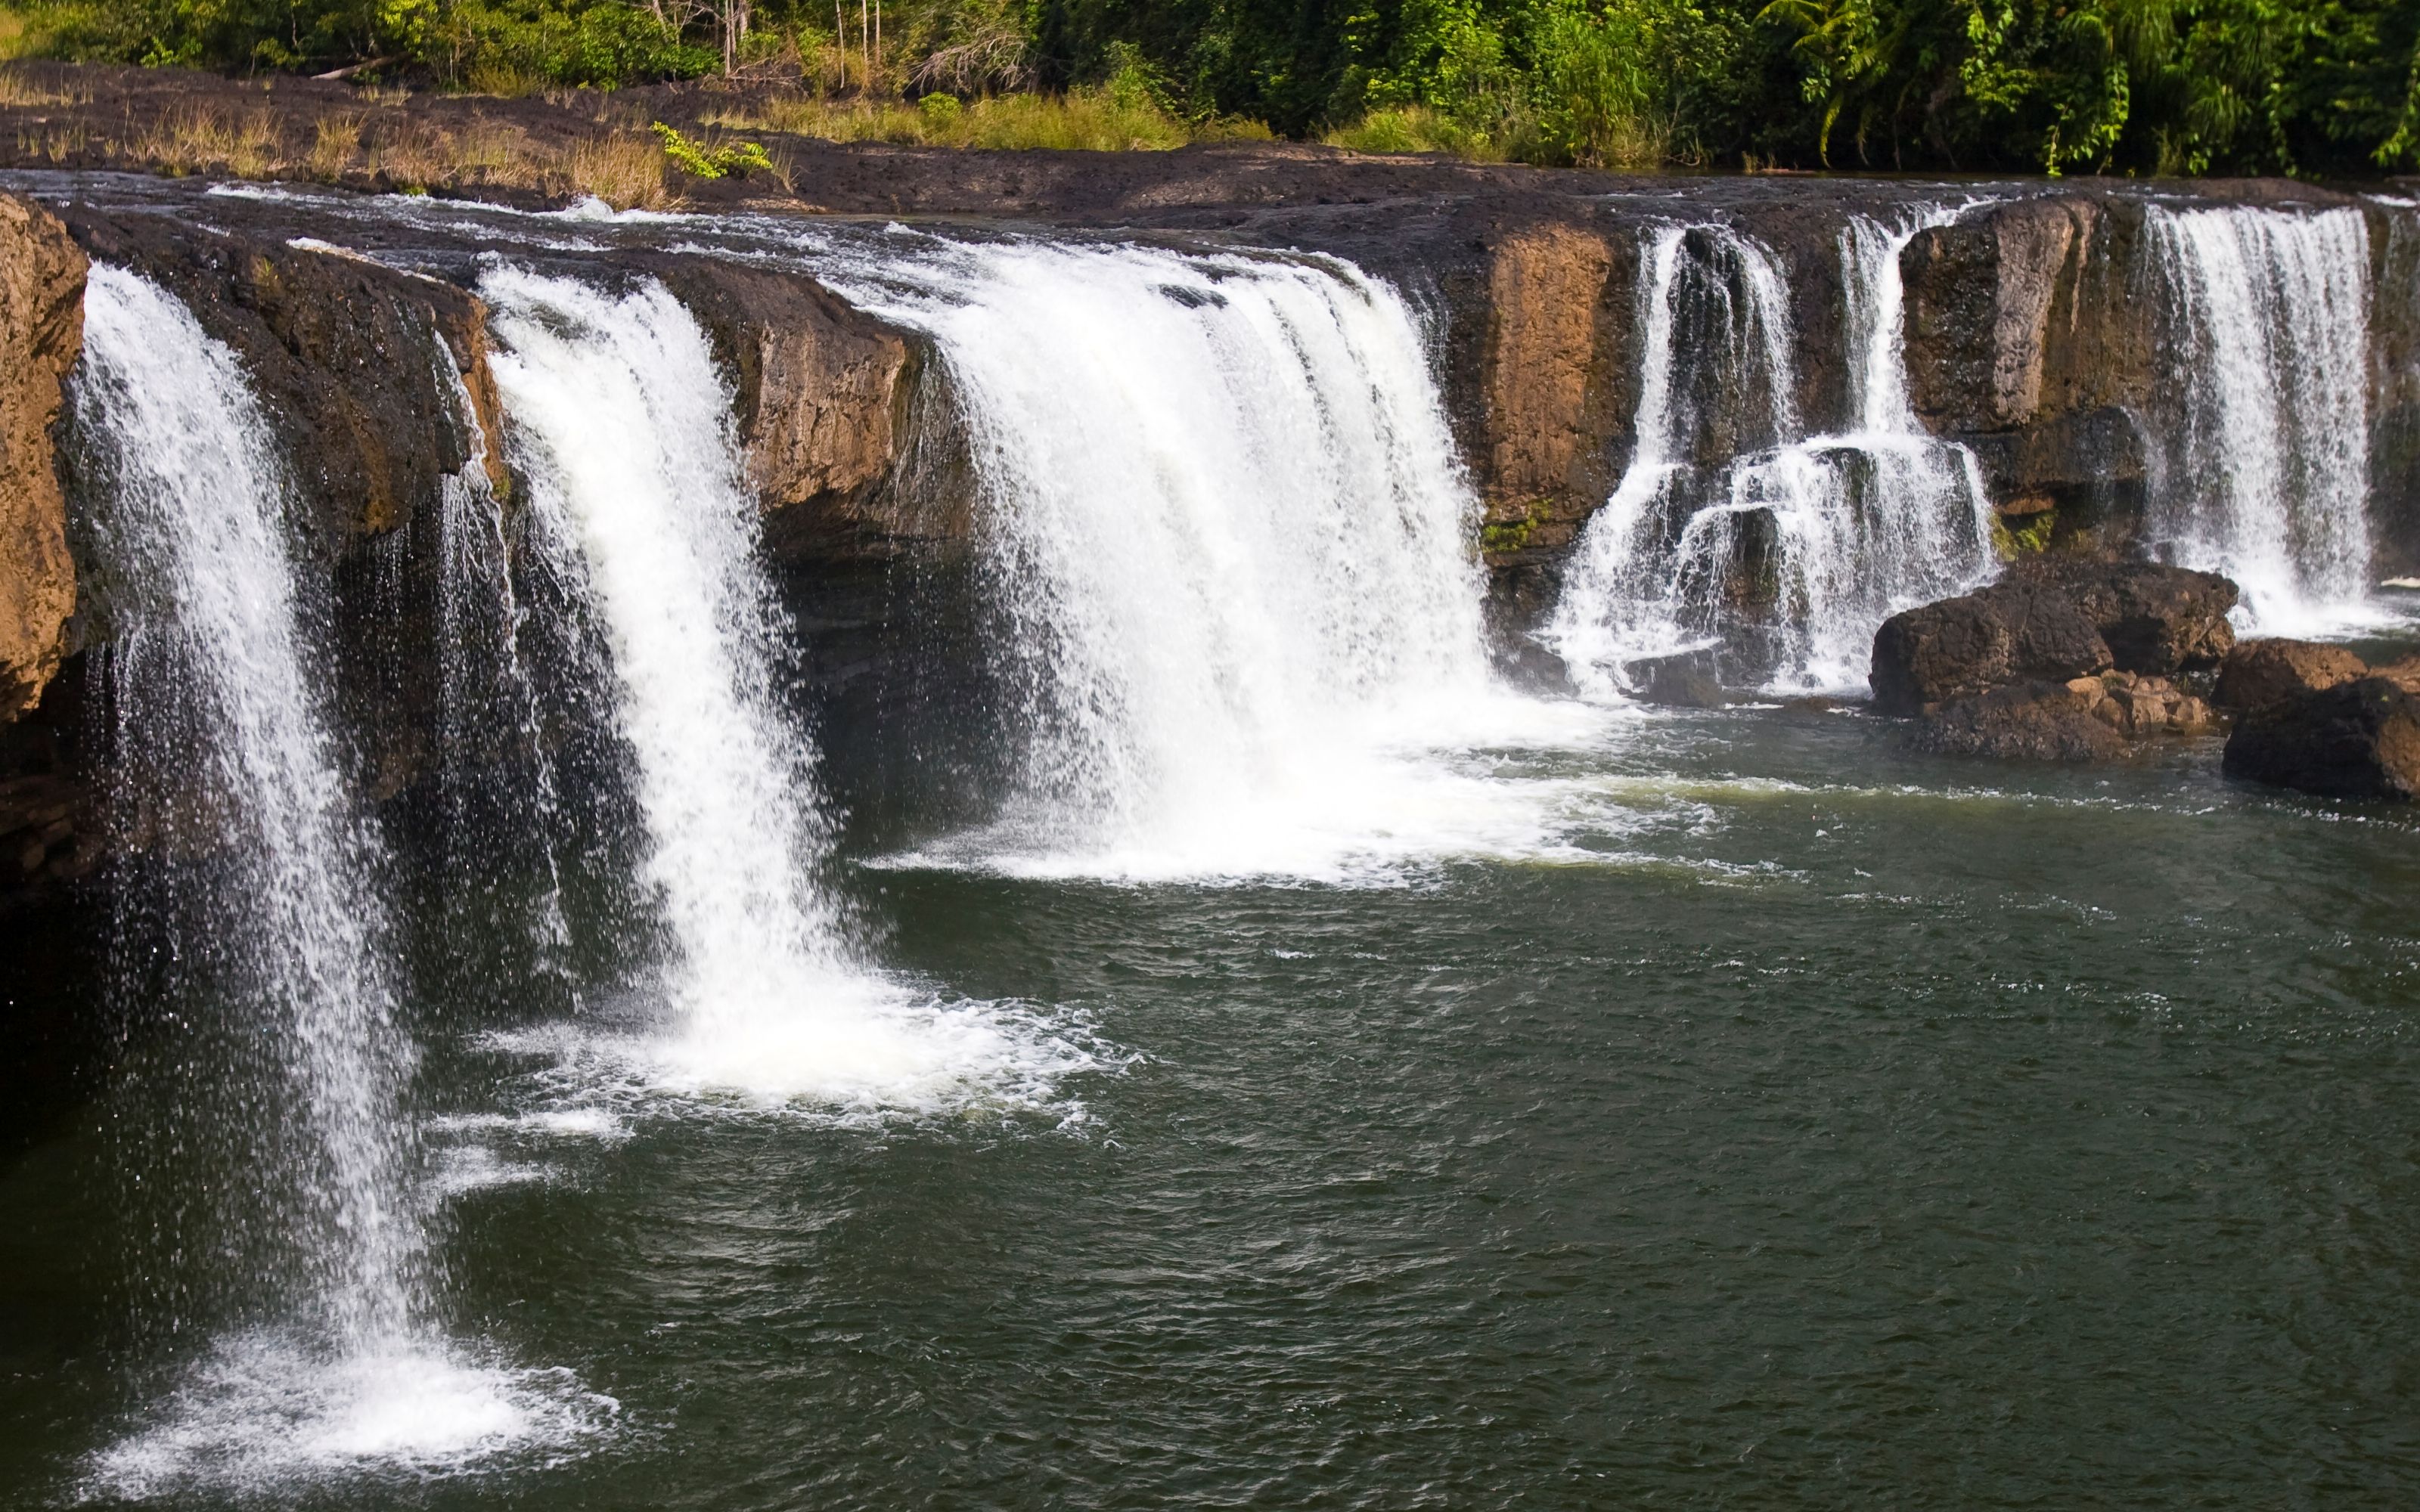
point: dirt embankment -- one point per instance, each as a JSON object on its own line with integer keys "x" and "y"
{"x": 567, "y": 143}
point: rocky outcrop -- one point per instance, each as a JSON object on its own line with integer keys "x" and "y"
{"x": 355, "y": 364}
{"x": 2359, "y": 739}
{"x": 2030, "y": 340}
{"x": 2007, "y": 633}
{"x": 2259, "y": 673}
{"x": 2059, "y": 662}
{"x": 2024, "y": 721}
{"x": 2053, "y": 622}
{"x": 41, "y": 330}
{"x": 827, "y": 403}
{"x": 1552, "y": 341}
{"x": 2082, "y": 720}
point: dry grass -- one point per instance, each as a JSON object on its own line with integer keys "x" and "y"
{"x": 625, "y": 172}
{"x": 1094, "y": 120}
{"x": 54, "y": 145}
{"x": 195, "y": 139}
{"x": 18, "y": 90}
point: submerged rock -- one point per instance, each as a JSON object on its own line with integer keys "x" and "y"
{"x": 2028, "y": 722}
{"x": 2259, "y": 674}
{"x": 2359, "y": 739}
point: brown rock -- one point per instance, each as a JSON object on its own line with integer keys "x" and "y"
{"x": 1976, "y": 641}
{"x": 41, "y": 330}
{"x": 824, "y": 395}
{"x": 1982, "y": 293}
{"x": 1545, "y": 284}
{"x": 2356, "y": 740}
{"x": 2028, "y": 722}
{"x": 2259, "y": 674}
{"x": 2404, "y": 675}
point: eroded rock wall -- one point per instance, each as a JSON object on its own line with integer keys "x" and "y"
{"x": 41, "y": 330}
{"x": 2029, "y": 338}
{"x": 829, "y": 402}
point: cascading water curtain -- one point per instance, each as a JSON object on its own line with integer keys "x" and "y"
{"x": 2264, "y": 465}
{"x": 1730, "y": 527}
{"x": 1227, "y": 539}
{"x": 621, "y": 422}
{"x": 294, "y": 1229}
{"x": 225, "y": 767}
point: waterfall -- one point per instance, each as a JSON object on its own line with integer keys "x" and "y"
{"x": 1730, "y": 527}
{"x": 486, "y": 699}
{"x": 1230, "y": 547}
{"x": 2264, "y": 474}
{"x": 291, "y": 1078}
{"x": 621, "y": 423}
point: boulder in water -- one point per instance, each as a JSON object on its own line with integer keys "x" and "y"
{"x": 2007, "y": 633}
{"x": 2025, "y": 721}
{"x": 2359, "y": 739}
{"x": 2158, "y": 620}
{"x": 1682, "y": 680}
{"x": 2259, "y": 674}
{"x": 2053, "y": 622}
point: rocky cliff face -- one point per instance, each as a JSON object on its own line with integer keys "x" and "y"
{"x": 42, "y": 330}
{"x": 2030, "y": 341}
{"x": 827, "y": 398}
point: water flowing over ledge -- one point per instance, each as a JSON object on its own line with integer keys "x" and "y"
{"x": 1245, "y": 577}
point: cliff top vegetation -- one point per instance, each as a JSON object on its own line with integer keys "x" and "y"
{"x": 2310, "y": 88}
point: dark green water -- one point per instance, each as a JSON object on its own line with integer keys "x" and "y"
{"x": 1868, "y": 1131}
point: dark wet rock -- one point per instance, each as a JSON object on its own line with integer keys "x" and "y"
{"x": 2158, "y": 620}
{"x": 2024, "y": 721}
{"x": 2005, "y": 633}
{"x": 2359, "y": 739}
{"x": 2258, "y": 673}
{"x": 1687, "y": 680}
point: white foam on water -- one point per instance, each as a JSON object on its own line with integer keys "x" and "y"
{"x": 622, "y": 423}
{"x": 931, "y": 1061}
{"x": 265, "y": 1412}
{"x": 1233, "y": 554}
{"x": 2264, "y": 475}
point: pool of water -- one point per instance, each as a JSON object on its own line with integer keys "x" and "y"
{"x": 1811, "y": 1124}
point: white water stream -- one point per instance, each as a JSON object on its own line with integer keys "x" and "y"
{"x": 2266, "y": 471}
{"x": 326, "y": 1356}
{"x": 1731, "y": 524}
{"x": 621, "y": 424}
{"x": 1232, "y": 550}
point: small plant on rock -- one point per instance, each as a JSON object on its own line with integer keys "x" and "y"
{"x": 730, "y": 159}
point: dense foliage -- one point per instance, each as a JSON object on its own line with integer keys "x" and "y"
{"x": 2310, "y": 86}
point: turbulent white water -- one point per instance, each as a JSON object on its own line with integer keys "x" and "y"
{"x": 621, "y": 424}
{"x": 1232, "y": 546}
{"x": 223, "y": 751}
{"x": 1730, "y": 525}
{"x": 2266, "y": 473}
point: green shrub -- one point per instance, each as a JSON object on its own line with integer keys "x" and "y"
{"x": 726, "y": 160}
